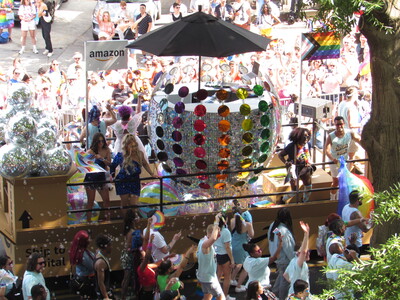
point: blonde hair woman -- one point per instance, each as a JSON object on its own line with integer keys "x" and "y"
{"x": 130, "y": 161}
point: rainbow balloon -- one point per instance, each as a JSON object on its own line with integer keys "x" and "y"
{"x": 150, "y": 194}
{"x": 349, "y": 182}
{"x": 159, "y": 220}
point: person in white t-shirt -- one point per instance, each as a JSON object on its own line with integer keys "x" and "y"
{"x": 351, "y": 212}
{"x": 298, "y": 268}
{"x": 160, "y": 247}
{"x": 341, "y": 260}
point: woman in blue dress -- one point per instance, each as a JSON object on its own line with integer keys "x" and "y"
{"x": 130, "y": 161}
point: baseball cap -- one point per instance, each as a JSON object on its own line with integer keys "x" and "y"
{"x": 168, "y": 295}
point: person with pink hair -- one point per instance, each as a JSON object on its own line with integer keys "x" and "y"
{"x": 82, "y": 261}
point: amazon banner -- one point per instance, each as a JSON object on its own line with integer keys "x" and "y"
{"x": 106, "y": 55}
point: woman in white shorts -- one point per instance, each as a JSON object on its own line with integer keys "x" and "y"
{"x": 27, "y": 14}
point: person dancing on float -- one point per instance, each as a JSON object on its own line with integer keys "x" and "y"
{"x": 299, "y": 156}
{"x": 130, "y": 161}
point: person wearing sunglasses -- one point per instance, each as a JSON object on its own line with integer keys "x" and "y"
{"x": 257, "y": 266}
{"x": 33, "y": 275}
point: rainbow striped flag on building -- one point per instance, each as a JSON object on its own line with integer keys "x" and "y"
{"x": 320, "y": 45}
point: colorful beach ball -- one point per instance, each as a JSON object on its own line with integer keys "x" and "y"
{"x": 150, "y": 194}
{"x": 79, "y": 201}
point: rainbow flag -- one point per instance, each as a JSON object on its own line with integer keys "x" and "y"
{"x": 320, "y": 45}
{"x": 349, "y": 182}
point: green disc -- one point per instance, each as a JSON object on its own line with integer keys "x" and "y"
{"x": 264, "y": 147}
{"x": 258, "y": 90}
{"x": 265, "y": 134}
{"x": 263, "y": 106}
{"x": 253, "y": 179}
{"x": 262, "y": 158}
{"x": 265, "y": 120}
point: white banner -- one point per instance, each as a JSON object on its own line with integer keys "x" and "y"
{"x": 106, "y": 55}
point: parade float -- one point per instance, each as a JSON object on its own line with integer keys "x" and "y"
{"x": 213, "y": 140}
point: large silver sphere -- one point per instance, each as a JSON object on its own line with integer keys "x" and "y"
{"x": 56, "y": 161}
{"x": 36, "y": 113}
{"x": 15, "y": 161}
{"x": 46, "y": 138}
{"x": 48, "y": 123}
{"x": 2, "y": 133}
{"x": 21, "y": 128}
{"x": 19, "y": 94}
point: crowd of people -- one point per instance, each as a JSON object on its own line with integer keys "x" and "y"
{"x": 228, "y": 255}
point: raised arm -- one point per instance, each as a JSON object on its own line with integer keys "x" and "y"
{"x": 147, "y": 256}
{"x": 214, "y": 235}
{"x": 304, "y": 245}
{"x": 113, "y": 118}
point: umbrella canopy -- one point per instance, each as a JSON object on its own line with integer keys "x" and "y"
{"x": 200, "y": 34}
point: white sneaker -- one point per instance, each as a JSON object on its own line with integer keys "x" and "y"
{"x": 50, "y": 54}
{"x": 34, "y": 50}
{"x": 234, "y": 282}
{"x": 21, "y": 51}
{"x": 230, "y": 298}
{"x": 240, "y": 289}
{"x": 45, "y": 52}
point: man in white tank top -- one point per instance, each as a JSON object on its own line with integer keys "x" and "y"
{"x": 351, "y": 212}
{"x": 338, "y": 144}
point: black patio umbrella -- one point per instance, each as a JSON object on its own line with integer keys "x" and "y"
{"x": 200, "y": 34}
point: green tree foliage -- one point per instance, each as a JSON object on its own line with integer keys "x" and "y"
{"x": 339, "y": 14}
{"x": 379, "y": 277}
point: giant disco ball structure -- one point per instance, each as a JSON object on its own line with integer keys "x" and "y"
{"x": 229, "y": 128}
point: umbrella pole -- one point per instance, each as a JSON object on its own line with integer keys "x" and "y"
{"x": 198, "y": 74}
